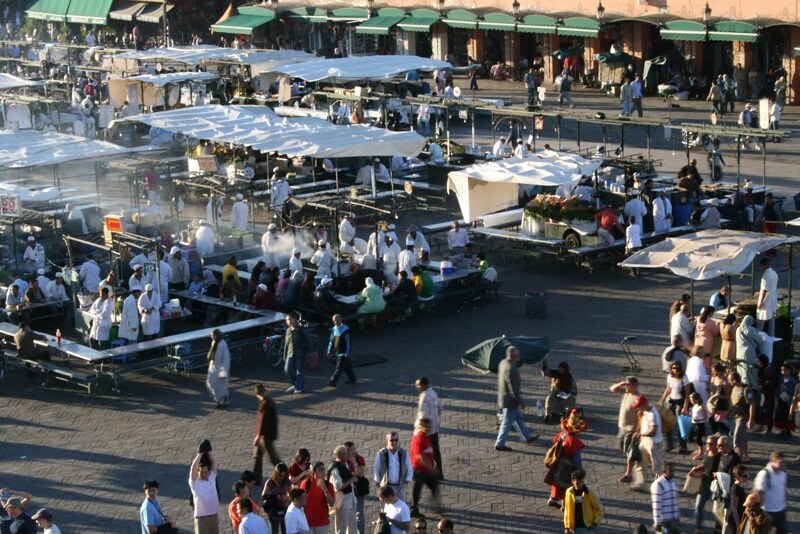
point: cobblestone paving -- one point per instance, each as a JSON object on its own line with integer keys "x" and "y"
{"x": 86, "y": 457}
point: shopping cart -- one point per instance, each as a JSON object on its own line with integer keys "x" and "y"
{"x": 634, "y": 366}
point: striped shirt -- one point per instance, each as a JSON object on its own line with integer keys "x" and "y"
{"x": 664, "y": 494}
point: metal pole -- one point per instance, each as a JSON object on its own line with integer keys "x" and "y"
{"x": 164, "y": 20}
{"x": 622, "y": 140}
{"x": 559, "y": 133}
{"x": 791, "y": 259}
{"x": 578, "y": 135}
{"x": 337, "y": 175}
{"x": 649, "y": 139}
{"x": 764, "y": 165}
{"x": 738, "y": 159}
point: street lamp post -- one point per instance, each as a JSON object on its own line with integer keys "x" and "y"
{"x": 515, "y": 9}
{"x": 706, "y": 13}
{"x": 601, "y": 12}
{"x": 274, "y": 5}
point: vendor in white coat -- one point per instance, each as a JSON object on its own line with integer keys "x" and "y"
{"x": 279, "y": 192}
{"x": 347, "y": 229}
{"x": 150, "y": 308}
{"x": 364, "y": 176}
{"x": 406, "y": 260}
{"x": 295, "y": 263}
{"x": 767, "y": 297}
{"x": 145, "y": 256}
{"x": 129, "y": 320}
{"x": 269, "y": 245}
{"x": 421, "y": 247}
{"x": 389, "y": 257}
{"x": 239, "y": 213}
{"x": 75, "y": 214}
{"x": 323, "y": 259}
{"x": 204, "y": 238}
{"x": 101, "y": 320}
{"x": 520, "y": 151}
{"x": 90, "y": 274}
{"x": 56, "y": 291}
{"x": 33, "y": 257}
{"x": 662, "y": 213}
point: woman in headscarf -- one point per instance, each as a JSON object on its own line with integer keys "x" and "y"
{"x": 210, "y": 284}
{"x": 784, "y": 411}
{"x": 219, "y": 366}
{"x": 571, "y": 448}
{"x": 563, "y": 390}
{"x": 371, "y": 298}
{"x": 706, "y": 330}
{"x": 727, "y": 331}
{"x": 748, "y": 346}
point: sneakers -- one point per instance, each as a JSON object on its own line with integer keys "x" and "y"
{"x": 290, "y": 389}
{"x": 298, "y": 391}
{"x": 502, "y": 448}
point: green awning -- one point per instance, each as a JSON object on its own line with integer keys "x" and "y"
{"x": 88, "y": 11}
{"x": 153, "y": 13}
{"x": 461, "y": 18}
{"x": 537, "y": 24}
{"x": 257, "y": 11}
{"x": 498, "y": 21}
{"x": 420, "y": 20}
{"x": 579, "y": 27}
{"x": 733, "y": 30}
{"x": 240, "y": 24}
{"x": 684, "y": 30}
{"x": 126, "y": 10}
{"x": 52, "y": 10}
{"x": 311, "y": 14}
{"x": 349, "y": 14}
{"x": 379, "y": 25}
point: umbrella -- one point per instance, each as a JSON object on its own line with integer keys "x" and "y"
{"x": 486, "y": 356}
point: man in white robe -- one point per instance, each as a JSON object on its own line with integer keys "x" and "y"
{"x": 90, "y": 274}
{"x": 150, "y": 309}
{"x": 269, "y": 244}
{"x": 204, "y": 238}
{"x": 295, "y": 263}
{"x": 662, "y": 213}
{"x": 389, "y": 257}
{"x": 129, "y": 320}
{"x": 323, "y": 259}
{"x": 279, "y": 193}
{"x": 347, "y": 230}
{"x": 239, "y": 213}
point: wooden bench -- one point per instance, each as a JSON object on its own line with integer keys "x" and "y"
{"x": 162, "y": 364}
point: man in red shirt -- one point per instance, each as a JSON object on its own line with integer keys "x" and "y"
{"x": 240, "y": 491}
{"x": 607, "y": 221}
{"x": 422, "y": 460}
{"x": 319, "y": 496}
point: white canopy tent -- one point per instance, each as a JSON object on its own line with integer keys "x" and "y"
{"x": 28, "y": 148}
{"x": 261, "y": 129}
{"x": 707, "y": 254}
{"x": 353, "y": 69}
{"x": 489, "y": 187}
{"x": 8, "y": 81}
{"x": 149, "y": 89}
{"x": 259, "y": 60}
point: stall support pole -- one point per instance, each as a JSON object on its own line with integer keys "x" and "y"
{"x": 313, "y": 171}
{"x": 578, "y": 135}
{"x": 738, "y": 160}
{"x": 728, "y": 292}
{"x": 337, "y": 176}
{"x": 622, "y": 140}
{"x": 559, "y": 132}
{"x": 649, "y": 139}
{"x": 791, "y": 261}
{"x": 752, "y": 277}
{"x": 692, "y": 301}
{"x": 764, "y": 165}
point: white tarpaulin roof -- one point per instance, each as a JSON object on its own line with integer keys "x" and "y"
{"x": 7, "y": 81}
{"x": 489, "y": 187}
{"x": 260, "y": 128}
{"x": 160, "y": 80}
{"x": 707, "y": 254}
{"x": 261, "y": 60}
{"x": 352, "y": 69}
{"x": 27, "y": 148}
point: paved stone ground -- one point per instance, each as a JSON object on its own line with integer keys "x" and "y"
{"x": 86, "y": 457}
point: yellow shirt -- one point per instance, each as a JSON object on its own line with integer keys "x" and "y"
{"x": 590, "y": 503}
{"x": 230, "y": 270}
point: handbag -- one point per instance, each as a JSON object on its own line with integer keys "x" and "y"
{"x": 312, "y": 361}
{"x": 553, "y": 453}
{"x": 362, "y": 486}
{"x": 692, "y": 485}
{"x": 560, "y": 474}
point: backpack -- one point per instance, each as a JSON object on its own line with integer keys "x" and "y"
{"x": 553, "y": 453}
{"x": 668, "y": 419}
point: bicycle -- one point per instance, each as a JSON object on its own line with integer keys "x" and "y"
{"x": 274, "y": 344}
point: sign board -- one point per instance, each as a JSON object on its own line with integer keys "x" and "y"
{"x": 538, "y": 123}
{"x": 763, "y": 114}
{"x": 207, "y": 163}
{"x": 105, "y": 114}
{"x": 10, "y": 206}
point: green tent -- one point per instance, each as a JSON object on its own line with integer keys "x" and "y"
{"x": 568, "y": 52}
{"x": 607, "y": 57}
{"x": 486, "y": 356}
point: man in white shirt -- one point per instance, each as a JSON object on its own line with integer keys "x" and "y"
{"x": 295, "y": 263}
{"x": 457, "y": 239}
{"x": 202, "y": 483}
{"x": 662, "y": 213}
{"x": 520, "y": 151}
{"x": 396, "y": 510}
{"x": 650, "y": 444}
{"x": 665, "y": 498}
{"x": 239, "y": 213}
{"x": 500, "y": 148}
{"x": 34, "y": 255}
{"x": 90, "y": 274}
{"x": 251, "y": 523}
{"x": 429, "y": 407}
{"x": 767, "y": 297}
{"x": 770, "y": 484}
{"x": 681, "y": 325}
{"x": 399, "y": 163}
{"x": 269, "y": 244}
{"x": 343, "y": 482}
{"x": 323, "y": 259}
{"x": 279, "y": 192}
{"x": 436, "y": 152}
{"x": 393, "y": 466}
{"x": 144, "y": 257}
{"x": 634, "y": 208}
{"x": 56, "y": 291}
{"x": 295, "y": 518}
{"x": 406, "y": 260}
{"x": 365, "y": 174}
{"x": 636, "y": 94}
{"x": 421, "y": 247}
{"x": 347, "y": 229}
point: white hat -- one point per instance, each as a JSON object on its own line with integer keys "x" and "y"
{"x": 137, "y": 267}
{"x": 276, "y": 169}
{"x": 239, "y": 196}
{"x": 295, "y": 250}
{"x": 325, "y": 280}
{"x": 519, "y": 139}
{"x": 203, "y": 221}
{"x": 321, "y": 242}
{"x": 272, "y": 226}
{"x": 31, "y": 238}
{"x": 148, "y": 287}
{"x": 637, "y": 175}
{"x": 59, "y": 275}
{"x": 174, "y": 250}
{"x": 376, "y": 160}
{"x": 748, "y": 184}
{"x": 136, "y": 287}
{"x": 351, "y": 214}
{"x": 410, "y": 241}
{"x": 40, "y": 271}
{"x": 262, "y": 287}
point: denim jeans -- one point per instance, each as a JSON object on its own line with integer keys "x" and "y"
{"x": 700, "y": 505}
{"x": 581, "y": 530}
{"x": 295, "y": 372}
{"x": 511, "y": 417}
{"x": 627, "y": 107}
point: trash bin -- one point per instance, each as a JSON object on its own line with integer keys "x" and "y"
{"x": 536, "y": 304}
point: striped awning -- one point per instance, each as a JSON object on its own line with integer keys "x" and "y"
{"x": 153, "y": 13}
{"x": 127, "y": 11}
{"x": 240, "y": 24}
